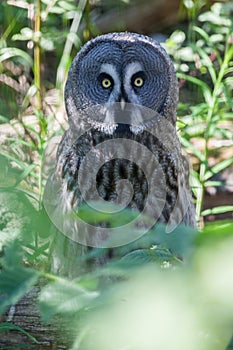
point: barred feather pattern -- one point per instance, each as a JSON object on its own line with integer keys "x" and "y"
{"x": 66, "y": 252}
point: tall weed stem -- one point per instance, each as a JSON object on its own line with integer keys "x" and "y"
{"x": 37, "y": 55}
{"x": 213, "y": 103}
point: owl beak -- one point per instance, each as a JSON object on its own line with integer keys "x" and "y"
{"x": 122, "y": 103}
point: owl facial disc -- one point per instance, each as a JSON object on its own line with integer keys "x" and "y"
{"x": 116, "y": 79}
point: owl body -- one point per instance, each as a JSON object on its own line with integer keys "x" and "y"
{"x": 122, "y": 146}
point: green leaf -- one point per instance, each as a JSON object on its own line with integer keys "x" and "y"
{"x": 202, "y": 33}
{"x": 216, "y": 38}
{"x": 6, "y": 326}
{"x": 4, "y": 119}
{"x": 229, "y": 70}
{"x": 28, "y": 170}
{"x": 65, "y": 298}
{"x": 98, "y": 212}
{"x": 152, "y": 255}
{"x": 47, "y": 44}
{"x": 213, "y": 183}
{"x": 185, "y": 54}
{"x": 67, "y": 6}
{"x": 22, "y": 142}
{"x": 15, "y": 280}
{"x": 12, "y": 255}
{"x": 188, "y": 145}
{"x": 12, "y": 158}
{"x": 30, "y": 93}
{"x": 215, "y": 18}
{"x": 206, "y": 61}
{"x": 88, "y": 282}
{"x": 218, "y": 167}
{"x": 205, "y": 88}
{"x": 37, "y": 251}
{"x": 217, "y": 230}
{"x": 177, "y": 37}
{"x": 8, "y": 52}
{"x": 179, "y": 241}
{"x": 25, "y": 34}
{"x": 14, "y": 284}
{"x": 218, "y": 210}
{"x": 5, "y": 238}
{"x": 195, "y": 182}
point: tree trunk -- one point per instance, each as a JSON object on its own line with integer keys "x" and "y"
{"x": 25, "y": 314}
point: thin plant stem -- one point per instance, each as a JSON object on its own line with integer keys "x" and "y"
{"x": 37, "y": 55}
{"x": 228, "y": 54}
{"x": 61, "y": 71}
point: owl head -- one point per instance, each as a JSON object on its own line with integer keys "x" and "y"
{"x": 121, "y": 78}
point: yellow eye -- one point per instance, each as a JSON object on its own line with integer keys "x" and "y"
{"x": 138, "y": 82}
{"x": 106, "y": 83}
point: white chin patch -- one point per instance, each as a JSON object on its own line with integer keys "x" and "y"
{"x": 107, "y": 129}
{"x": 137, "y": 129}
{"x": 114, "y": 115}
{"x": 106, "y": 118}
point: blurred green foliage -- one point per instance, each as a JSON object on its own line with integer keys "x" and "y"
{"x": 164, "y": 291}
{"x": 204, "y": 61}
{"x": 143, "y": 299}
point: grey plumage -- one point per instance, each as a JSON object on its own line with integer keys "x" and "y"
{"x": 121, "y": 97}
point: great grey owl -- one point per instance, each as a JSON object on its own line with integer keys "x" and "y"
{"x": 121, "y": 147}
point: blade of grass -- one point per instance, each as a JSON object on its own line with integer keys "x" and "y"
{"x": 7, "y": 326}
{"x": 62, "y": 68}
{"x": 218, "y": 167}
{"x": 22, "y": 142}
{"x": 218, "y": 210}
{"x": 189, "y": 146}
{"x": 205, "y": 88}
{"x": 27, "y": 171}
{"x": 9, "y": 52}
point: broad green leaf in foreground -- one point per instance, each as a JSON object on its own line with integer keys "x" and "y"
{"x": 64, "y": 297}
{"x": 14, "y": 284}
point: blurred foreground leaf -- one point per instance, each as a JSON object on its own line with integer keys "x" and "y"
{"x": 64, "y": 297}
{"x": 14, "y": 284}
